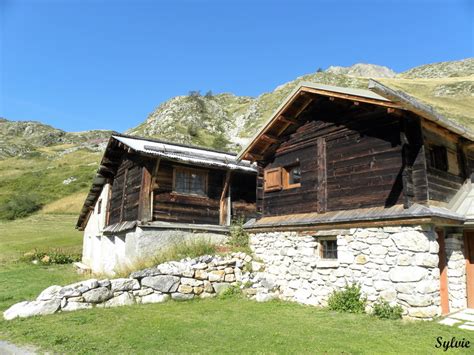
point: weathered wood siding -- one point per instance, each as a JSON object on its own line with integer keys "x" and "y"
{"x": 125, "y": 191}
{"x": 171, "y": 206}
{"x": 364, "y": 164}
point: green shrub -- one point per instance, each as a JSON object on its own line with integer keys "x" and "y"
{"x": 188, "y": 249}
{"x": 347, "y": 300}
{"x": 54, "y": 256}
{"x": 19, "y": 206}
{"x": 238, "y": 238}
{"x": 383, "y": 309}
{"x": 231, "y": 292}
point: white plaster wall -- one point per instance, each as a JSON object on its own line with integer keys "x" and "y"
{"x": 94, "y": 228}
{"x": 398, "y": 264}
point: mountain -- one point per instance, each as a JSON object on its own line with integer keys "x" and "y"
{"x": 58, "y": 166}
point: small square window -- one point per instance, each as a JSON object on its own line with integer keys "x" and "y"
{"x": 99, "y": 206}
{"x": 328, "y": 248}
{"x": 292, "y": 176}
{"x": 190, "y": 181}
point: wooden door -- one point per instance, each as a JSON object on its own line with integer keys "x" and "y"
{"x": 469, "y": 252}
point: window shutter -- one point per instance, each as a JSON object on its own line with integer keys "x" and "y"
{"x": 273, "y": 180}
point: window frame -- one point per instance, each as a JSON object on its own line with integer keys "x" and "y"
{"x": 187, "y": 170}
{"x": 433, "y": 163}
{"x": 322, "y": 248}
{"x": 286, "y": 171}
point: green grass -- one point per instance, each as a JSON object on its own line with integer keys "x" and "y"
{"x": 40, "y": 231}
{"x": 224, "y": 326}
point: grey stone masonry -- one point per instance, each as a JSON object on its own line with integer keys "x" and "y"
{"x": 397, "y": 264}
{"x": 202, "y": 277}
{"x": 456, "y": 272}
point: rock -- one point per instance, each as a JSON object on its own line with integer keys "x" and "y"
{"x": 229, "y": 278}
{"x": 207, "y": 295}
{"x": 264, "y": 297}
{"x": 424, "y": 312}
{"x": 200, "y": 275}
{"x": 124, "y": 285}
{"x": 416, "y": 300}
{"x": 216, "y": 275}
{"x": 185, "y": 289}
{"x": 199, "y": 266}
{"x": 256, "y": 266}
{"x": 143, "y": 292}
{"x": 389, "y": 295}
{"x": 229, "y": 270}
{"x": 125, "y": 299}
{"x": 75, "y": 306}
{"x": 155, "y": 298}
{"x": 33, "y": 308}
{"x": 182, "y": 296}
{"x": 162, "y": 283}
{"x": 104, "y": 283}
{"x": 190, "y": 282}
{"x": 412, "y": 240}
{"x": 361, "y": 259}
{"x": 97, "y": 295}
{"x": 428, "y": 260}
{"x": 52, "y": 292}
{"x": 145, "y": 273}
{"x": 220, "y": 287}
{"x": 407, "y": 274}
{"x": 208, "y": 287}
{"x": 378, "y": 250}
{"x": 198, "y": 290}
{"x": 69, "y": 292}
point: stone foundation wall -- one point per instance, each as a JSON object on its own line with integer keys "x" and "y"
{"x": 456, "y": 272}
{"x": 201, "y": 277}
{"x": 398, "y": 264}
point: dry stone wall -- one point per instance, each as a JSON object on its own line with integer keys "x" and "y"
{"x": 456, "y": 272}
{"x": 397, "y": 264}
{"x": 202, "y": 277}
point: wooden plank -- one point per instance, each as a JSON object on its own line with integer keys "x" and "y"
{"x": 443, "y": 268}
{"x": 223, "y": 201}
{"x": 469, "y": 256}
{"x": 144, "y": 200}
{"x": 122, "y": 204}
{"x": 322, "y": 175}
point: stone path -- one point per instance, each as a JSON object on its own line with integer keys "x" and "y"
{"x": 462, "y": 319}
{"x": 7, "y": 348}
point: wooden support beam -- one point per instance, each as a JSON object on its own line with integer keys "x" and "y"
{"x": 253, "y": 156}
{"x": 154, "y": 184}
{"x": 321, "y": 204}
{"x": 288, "y": 120}
{"x": 270, "y": 139}
{"x": 144, "y": 199}
{"x": 223, "y": 202}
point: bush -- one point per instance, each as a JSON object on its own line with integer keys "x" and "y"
{"x": 55, "y": 256}
{"x": 231, "y": 292}
{"x": 238, "y": 238}
{"x": 347, "y": 300}
{"x": 383, "y": 310}
{"x": 188, "y": 249}
{"x": 19, "y": 206}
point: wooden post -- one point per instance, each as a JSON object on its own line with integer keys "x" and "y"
{"x": 124, "y": 190}
{"x": 322, "y": 175}
{"x": 443, "y": 272}
{"x": 144, "y": 200}
{"x": 223, "y": 203}
{"x": 469, "y": 255}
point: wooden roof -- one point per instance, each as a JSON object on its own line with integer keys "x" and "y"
{"x": 286, "y": 117}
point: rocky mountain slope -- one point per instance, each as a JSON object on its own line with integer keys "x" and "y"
{"x": 54, "y": 164}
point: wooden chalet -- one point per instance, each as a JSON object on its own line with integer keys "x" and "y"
{"x": 146, "y": 183}
{"x": 361, "y": 171}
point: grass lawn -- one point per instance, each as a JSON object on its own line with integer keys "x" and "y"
{"x": 40, "y": 231}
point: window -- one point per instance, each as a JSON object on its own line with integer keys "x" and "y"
{"x": 99, "y": 206}
{"x": 292, "y": 176}
{"x": 190, "y": 181}
{"x": 328, "y": 248}
{"x": 438, "y": 157}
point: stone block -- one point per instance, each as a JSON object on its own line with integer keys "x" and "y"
{"x": 162, "y": 283}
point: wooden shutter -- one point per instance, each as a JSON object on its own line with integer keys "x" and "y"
{"x": 273, "y": 180}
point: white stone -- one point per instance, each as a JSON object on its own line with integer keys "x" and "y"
{"x": 75, "y": 306}
{"x": 182, "y": 296}
{"x": 407, "y": 274}
{"x": 412, "y": 240}
{"x": 264, "y": 297}
{"x": 50, "y": 293}
{"x": 125, "y": 299}
{"x": 345, "y": 257}
{"x": 97, "y": 295}
{"x": 191, "y": 282}
{"x": 162, "y": 283}
{"x": 124, "y": 285}
{"x": 428, "y": 260}
{"x": 155, "y": 298}
{"x": 33, "y": 308}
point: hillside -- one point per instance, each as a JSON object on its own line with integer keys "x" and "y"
{"x": 58, "y": 166}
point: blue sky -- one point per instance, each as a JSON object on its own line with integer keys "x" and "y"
{"x": 87, "y": 64}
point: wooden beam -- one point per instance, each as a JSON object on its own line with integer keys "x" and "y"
{"x": 144, "y": 199}
{"x": 124, "y": 190}
{"x": 321, "y": 204}
{"x": 253, "y": 156}
{"x": 223, "y": 202}
{"x": 288, "y": 120}
{"x": 270, "y": 139}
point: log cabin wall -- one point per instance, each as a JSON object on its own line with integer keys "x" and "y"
{"x": 125, "y": 191}
{"x": 444, "y": 181}
{"x": 363, "y": 158}
{"x": 173, "y": 207}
